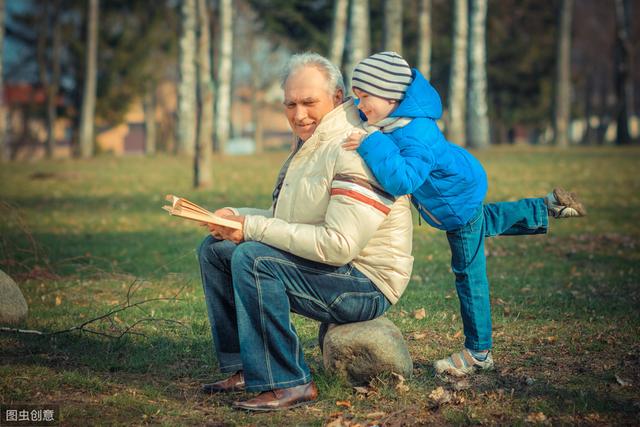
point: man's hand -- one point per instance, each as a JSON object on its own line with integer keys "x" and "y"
{"x": 226, "y": 233}
{"x": 354, "y": 140}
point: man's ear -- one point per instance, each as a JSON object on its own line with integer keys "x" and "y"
{"x": 338, "y": 98}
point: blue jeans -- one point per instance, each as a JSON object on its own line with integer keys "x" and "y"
{"x": 250, "y": 291}
{"x": 468, "y": 262}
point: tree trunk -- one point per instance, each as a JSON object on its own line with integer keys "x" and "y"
{"x": 587, "y": 136}
{"x": 54, "y": 85}
{"x": 458, "y": 75}
{"x": 424, "y": 38}
{"x": 359, "y": 36}
{"x": 187, "y": 104}
{"x": 563, "y": 77}
{"x": 338, "y": 32}
{"x": 257, "y": 100}
{"x": 89, "y": 95}
{"x": 624, "y": 89}
{"x": 4, "y": 140}
{"x": 150, "y": 125}
{"x": 204, "y": 147}
{"x": 393, "y": 26}
{"x": 223, "y": 105}
{"x": 44, "y": 24}
{"x": 477, "y": 111}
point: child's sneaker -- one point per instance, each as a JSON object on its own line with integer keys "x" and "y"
{"x": 563, "y": 204}
{"x": 462, "y": 363}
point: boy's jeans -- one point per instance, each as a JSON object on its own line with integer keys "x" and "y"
{"x": 526, "y": 216}
{"x": 250, "y": 290}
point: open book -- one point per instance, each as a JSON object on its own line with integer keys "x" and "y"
{"x": 185, "y": 209}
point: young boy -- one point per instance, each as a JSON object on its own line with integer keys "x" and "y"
{"x": 409, "y": 155}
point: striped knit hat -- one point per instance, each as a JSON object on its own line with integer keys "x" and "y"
{"x": 385, "y": 74}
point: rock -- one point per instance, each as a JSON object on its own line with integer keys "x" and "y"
{"x": 360, "y": 351}
{"x": 13, "y": 307}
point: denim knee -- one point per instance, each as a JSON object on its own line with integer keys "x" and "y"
{"x": 245, "y": 254}
{"x": 203, "y": 250}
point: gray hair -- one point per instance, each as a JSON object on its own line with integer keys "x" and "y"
{"x": 311, "y": 59}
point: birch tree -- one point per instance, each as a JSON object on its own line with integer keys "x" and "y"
{"x": 563, "y": 76}
{"x": 223, "y": 104}
{"x": 424, "y": 38}
{"x": 4, "y": 145}
{"x": 338, "y": 32}
{"x": 202, "y": 161}
{"x": 359, "y": 36}
{"x": 393, "y": 26}
{"x": 186, "y": 114}
{"x": 624, "y": 89}
{"x": 477, "y": 110}
{"x": 150, "y": 124}
{"x": 458, "y": 75}
{"x": 87, "y": 116}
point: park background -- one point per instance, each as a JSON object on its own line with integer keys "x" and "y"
{"x": 109, "y": 105}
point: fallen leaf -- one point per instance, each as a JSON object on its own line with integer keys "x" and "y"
{"x": 58, "y": 300}
{"x": 420, "y": 314}
{"x": 461, "y": 385}
{"x": 457, "y": 334}
{"x": 402, "y": 388}
{"x": 400, "y": 385}
{"x": 622, "y": 381}
{"x": 361, "y": 390}
{"x": 343, "y": 403}
{"x": 536, "y": 417}
{"x": 375, "y": 414}
{"x": 338, "y": 422}
{"x": 440, "y": 396}
{"x": 417, "y": 336}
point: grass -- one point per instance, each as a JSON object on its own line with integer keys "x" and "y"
{"x": 77, "y": 234}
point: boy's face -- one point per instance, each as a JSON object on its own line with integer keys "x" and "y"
{"x": 375, "y": 108}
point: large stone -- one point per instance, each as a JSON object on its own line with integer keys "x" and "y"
{"x": 360, "y": 351}
{"x": 13, "y": 307}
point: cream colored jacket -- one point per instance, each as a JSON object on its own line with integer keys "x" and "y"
{"x": 332, "y": 210}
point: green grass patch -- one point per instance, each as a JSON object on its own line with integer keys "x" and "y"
{"x": 85, "y": 237}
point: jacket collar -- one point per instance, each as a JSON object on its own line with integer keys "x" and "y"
{"x": 335, "y": 121}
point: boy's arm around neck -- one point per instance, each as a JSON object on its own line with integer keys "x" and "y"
{"x": 401, "y": 165}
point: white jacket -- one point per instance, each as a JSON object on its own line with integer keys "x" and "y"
{"x": 332, "y": 210}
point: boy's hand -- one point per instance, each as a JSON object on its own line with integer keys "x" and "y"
{"x": 354, "y": 140}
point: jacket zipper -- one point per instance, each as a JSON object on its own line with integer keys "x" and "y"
{"x": 433, "y": 218}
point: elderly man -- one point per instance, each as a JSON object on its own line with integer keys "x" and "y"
{"x": 333, "y": 247}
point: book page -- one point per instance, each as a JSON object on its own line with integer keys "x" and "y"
{"x": 186, "y": 209}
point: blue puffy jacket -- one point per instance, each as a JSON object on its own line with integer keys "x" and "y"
{"x": 446, "y": 182}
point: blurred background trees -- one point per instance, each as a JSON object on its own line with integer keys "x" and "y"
{"x": 153, "y": 78}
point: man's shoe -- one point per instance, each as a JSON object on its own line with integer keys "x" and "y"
{"x": 232, "y": 384}
{"x": 282, "y": 398}
{"x": 462, "y": 363}
{"x": 563, "y": 204}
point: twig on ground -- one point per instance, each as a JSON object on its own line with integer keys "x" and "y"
{"x": 83, "y": 327}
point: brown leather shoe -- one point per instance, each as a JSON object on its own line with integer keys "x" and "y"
{"x": 282, "y": 398}
{"x": 232, "y": 384}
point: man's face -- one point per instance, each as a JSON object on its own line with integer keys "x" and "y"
{"x": 307, "y": 100}
{"x": 375, "y": 108}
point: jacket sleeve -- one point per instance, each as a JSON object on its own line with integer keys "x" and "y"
{"x": 400, "y": 169}
{"x": 255, "y": 211}
{"x": 355, "y": 210}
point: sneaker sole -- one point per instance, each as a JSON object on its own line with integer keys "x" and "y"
{"x": 569, "y": 200}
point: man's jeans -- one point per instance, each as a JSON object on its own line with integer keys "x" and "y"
{"x": 527, "y": 216}
{"x": 250, "y": 290}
